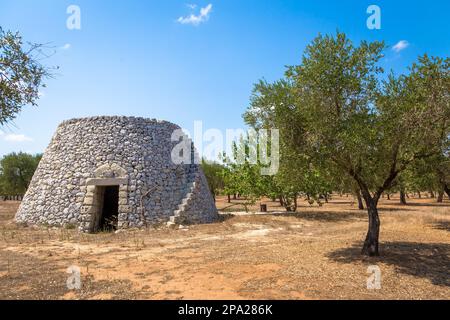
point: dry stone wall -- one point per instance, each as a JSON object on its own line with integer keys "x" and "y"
{"x": 134, "y": 154}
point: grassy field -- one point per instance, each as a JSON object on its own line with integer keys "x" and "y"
{"x": 313, "y": 254}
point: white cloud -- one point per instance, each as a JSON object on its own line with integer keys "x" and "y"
{"x": 191, "y": 6}
{"x": 400, "y": 46}
{"x": 197, "y": 19}
{"x": 11, "y": 137}
{"x": 67, "y": 46}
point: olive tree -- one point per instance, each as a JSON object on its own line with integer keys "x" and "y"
{"x": 345, "y": 119}
{"x": 213, "y": 173}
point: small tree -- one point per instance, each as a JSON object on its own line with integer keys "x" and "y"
{"x": 272, "y": 105}
{"x": 16, "y": 171}
{"x": 241, "y": 176}
{"x": 213, "y": 173}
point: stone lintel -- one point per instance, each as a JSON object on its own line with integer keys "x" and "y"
{"x": 106, "y": 181}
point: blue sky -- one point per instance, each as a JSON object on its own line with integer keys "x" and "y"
{"x": 152, "y": 59}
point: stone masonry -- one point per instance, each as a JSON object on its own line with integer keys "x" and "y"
{"x": 134, "y": 154}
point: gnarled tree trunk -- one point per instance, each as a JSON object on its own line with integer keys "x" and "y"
{"x": 447, "y": 190}
{"x": 371, "y": 242}
{"x": 440, "y": 197}
{"x": 360, "y": 200}
{"x": 402, "y": 196}
{"x": 370, "y": 246}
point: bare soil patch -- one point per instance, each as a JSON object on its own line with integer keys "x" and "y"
{"x": 311, "y": 254}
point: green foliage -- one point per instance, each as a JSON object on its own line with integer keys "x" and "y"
{"x": 335, "y": 113}
{"x": 21, "y": 74}
{"x": 338, "y": 117}
{"x": 213, "y": 173}
{"x": 240, "y": 176}
{"x": 417, "y": 109}
{"x": 16, "y": 171}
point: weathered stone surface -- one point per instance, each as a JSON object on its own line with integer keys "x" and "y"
{"x": 133, "y": 153}
{"x": 106, "y": 181}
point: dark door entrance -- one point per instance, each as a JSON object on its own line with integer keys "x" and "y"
{"x": 110, "y": 209}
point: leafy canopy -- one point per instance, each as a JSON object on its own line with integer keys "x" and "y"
{"x": 21, "y": 74}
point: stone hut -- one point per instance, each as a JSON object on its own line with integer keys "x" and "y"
{"x": 116, "y": 172}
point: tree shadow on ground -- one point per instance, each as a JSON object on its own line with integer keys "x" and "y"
{"x": 424, "y": 260}
{"x": 338, "y": 203}
{"x": 325, "y": 216}
{"x": 223, "y": 216}
{"x": 418, "y": 204}
{"x": 381, "y": 210}
{"x": 442, "y": 225}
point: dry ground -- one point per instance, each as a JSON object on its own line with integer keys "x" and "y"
{"x": 313, "y": 254}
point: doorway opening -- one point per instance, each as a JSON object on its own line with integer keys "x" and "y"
{"x": 109, "y": 208}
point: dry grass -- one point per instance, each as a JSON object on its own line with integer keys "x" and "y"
{"x": 313, "y": 254}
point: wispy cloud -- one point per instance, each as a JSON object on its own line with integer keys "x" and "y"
{"x": 11, "y": 137}
{"x": 400, "y": 46}
{"x": 67, "y": 46}
{"x": 195, "y": 20}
